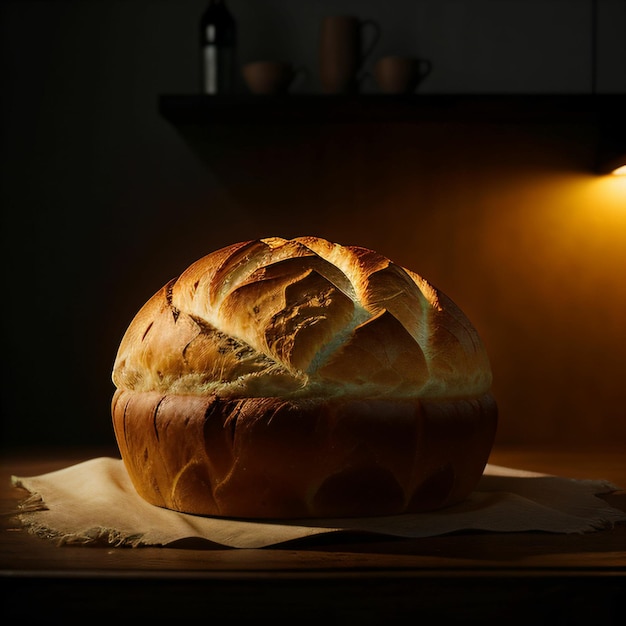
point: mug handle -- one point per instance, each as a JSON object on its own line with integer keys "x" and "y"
{"x": 301, "y": 74}
{"x": 427, "y": 68}
{"x": 377, "y": 31}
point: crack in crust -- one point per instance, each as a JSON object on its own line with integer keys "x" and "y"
{"x": 301, "y": 318}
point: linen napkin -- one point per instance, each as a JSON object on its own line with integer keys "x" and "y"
{"x": 95, "y": 502}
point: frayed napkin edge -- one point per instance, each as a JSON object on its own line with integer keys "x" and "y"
{"x": 34, "y": 503}
{"x": 95, "y": 536}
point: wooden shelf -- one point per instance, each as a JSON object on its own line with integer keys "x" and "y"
{"x": 204, "y": 110}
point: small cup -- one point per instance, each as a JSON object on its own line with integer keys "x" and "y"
{"x": 398, "y": 75}
{"x": 269, "y": 77}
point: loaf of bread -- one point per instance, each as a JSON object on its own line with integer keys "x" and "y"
{"x": 299, "y": 378}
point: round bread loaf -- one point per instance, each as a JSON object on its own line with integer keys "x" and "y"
{"x": 301, "y": 378}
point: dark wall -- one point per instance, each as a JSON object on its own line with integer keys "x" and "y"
{"x": 103, "y": 201}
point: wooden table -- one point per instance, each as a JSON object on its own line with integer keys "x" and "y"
{"x": 510, "y": 578}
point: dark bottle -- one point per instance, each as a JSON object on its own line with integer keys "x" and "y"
{"x": 218, "y": 39}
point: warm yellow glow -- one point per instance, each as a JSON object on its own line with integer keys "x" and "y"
{"x": 604, "y": 196}
{"x": 619, "y": 171}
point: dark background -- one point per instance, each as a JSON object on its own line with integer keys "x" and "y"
{"x": 103, "y": 200}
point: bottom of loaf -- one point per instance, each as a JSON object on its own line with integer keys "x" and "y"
{"x": 269, "y": 458}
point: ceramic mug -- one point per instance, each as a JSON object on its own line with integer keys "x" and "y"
{"x": 398, "y": 74}
{"x": 342, "y": 51}
{"x": 269, "y": 77}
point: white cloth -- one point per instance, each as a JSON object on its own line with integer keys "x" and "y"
{"x": 95, "y": 502}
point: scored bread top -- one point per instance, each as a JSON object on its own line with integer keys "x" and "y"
{"x": 301, "y": 318}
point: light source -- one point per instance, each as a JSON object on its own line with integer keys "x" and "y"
{"x": 611, "y": 127}
{"x": 611, "y": 164}
{"x": 611, "y": 155}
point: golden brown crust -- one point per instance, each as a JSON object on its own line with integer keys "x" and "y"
{"x": 302, "y": 378}
{"x": 288, "y": 318}
{"x": 271, "y": 458}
